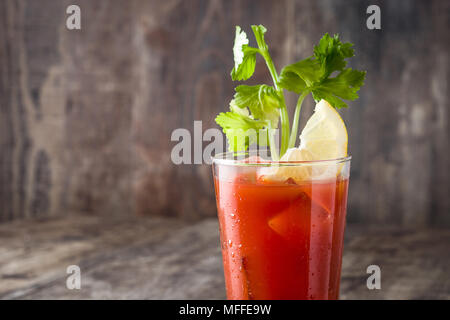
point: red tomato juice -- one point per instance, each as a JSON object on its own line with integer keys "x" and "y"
{"x": 281, "y": 240}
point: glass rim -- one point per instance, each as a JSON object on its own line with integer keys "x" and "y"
{"x": 222, "y": 159}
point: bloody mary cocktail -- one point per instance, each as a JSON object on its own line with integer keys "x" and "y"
{"x": 282, "y": 217}
{"x": 281, "y": 239}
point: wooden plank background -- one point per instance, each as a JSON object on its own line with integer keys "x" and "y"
{"x": 159, "y": 258}
{"x": 86, "y": 116}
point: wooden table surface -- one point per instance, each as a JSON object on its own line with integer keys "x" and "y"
{"x": 154, "y": 258}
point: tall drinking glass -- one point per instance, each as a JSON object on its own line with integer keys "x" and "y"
{"x": 281, "y": 238}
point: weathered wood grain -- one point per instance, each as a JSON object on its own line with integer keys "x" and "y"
{"x": 35, "y": 255}
{"x": 86, "y": 116}
{"x": 413, "y": 263}
{"x": 164, "y": 259}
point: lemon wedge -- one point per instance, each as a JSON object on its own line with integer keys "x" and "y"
{"x": 296, "y": 172}
{"x": 324, "y": 137}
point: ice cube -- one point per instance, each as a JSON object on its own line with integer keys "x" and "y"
{"x": 323, "y": 195}
{"x": 301, "y": 216}
{"x": 292, "y": 220}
